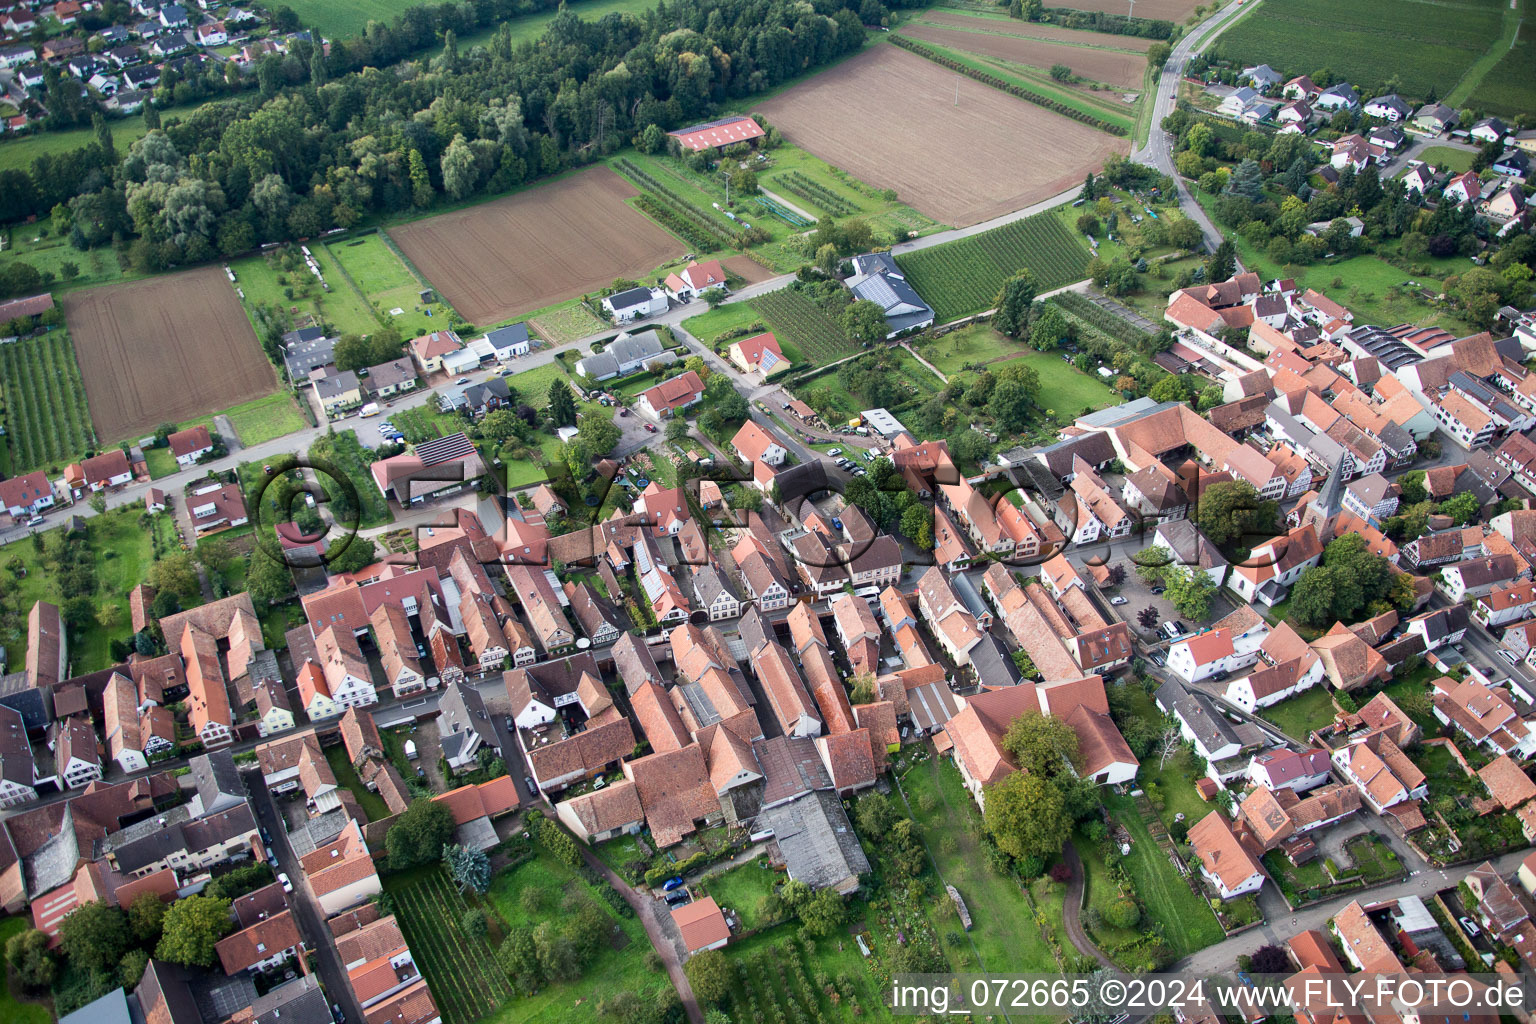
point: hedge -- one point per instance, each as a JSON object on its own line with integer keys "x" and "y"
{"x": 1056, "y": 106}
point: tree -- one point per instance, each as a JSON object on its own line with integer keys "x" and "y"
{"x": 559, "y": 960}
{"x": 1013, "y": 302}
{"x": 130, "y": 970}
{"x": 1147, "y": 617}
{"x": 421, "y": 182}
{"x": 1010, "y": 405}
{"x": 710, "y": 975}
{"x": 174, "y": 573}
{"x": 358, "y": 553}
{"x": 267, "y": 579}
{"x": 1246, "y": 182}
{"x": 1049, "y": 329}
{"x": 1312, "y": 597}
{"x": 864, "y": 321}
{"x": 352, "y": 352}
{"x": 1230, "y": 511}
{"x": 1190, "y": 590}
{"x": 917, "y": 525}
{"x": 1168, "y": 745}
{"x": 1158, "y": 54}
{"x": 146, "y": 918}
{"x": 1042, "y": 745}
{"x": 1026, "y": 816}
{"x": 651, "y": 139}
{"x": 193, "y": 926}
{"x": 460, "y": 175}
{"x": 94, "y": 936}
{"x": 520, "y": 959}
{"x": 1060, "y": 72}
{"x": 28, "y": 954}
{"x": 1223, "y": 262}
{"x": 562, "y": 405}
{"x": 822, "y": 913}
{"x": 1268, "y": 959}
{"x": 826, "y": 259}
{"x": 98, "y": 503}
{"x": 470, "y": 869}
{"x": 875, "y": 815}
{"x": 418, "y": 834}
{"x": 500, "y": 425}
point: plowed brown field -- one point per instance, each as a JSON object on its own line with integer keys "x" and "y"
{"x": 958, "y": 163}
{"x": 166, "y": 349}
{"x": 541, "y": 246}
{"x": 1109, "y": 66}
{"x": 1038, "y": 31}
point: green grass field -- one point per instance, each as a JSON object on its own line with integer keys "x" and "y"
{"x": 1457, "y": 160}
{"x": 1298, "y": 716}
{"x": 372, "y": 804}
{"x": 344, "y": 18}
{"x": 1003, "y": 926}
{"x": 742, "y": 889}
{"x": 1187, "y": 921}
{"x": 259, "y": 420}
{"x": 160, "y": 461}
{"x": 612, "y": 970}
{"x": 533, "y": 25}
{"x": 388, "y": 283}
{"x": 708, "y": 326}
{"x": 1509, "y": 89}
{"x": 533, "y": 385}
{"x": 12, "y": 1009}
{"x": 1065, "y": 391}
{"x": 964, "y": 276}
{"x": 1427, "y": 45}
{"x": 46, "y": 415}
{"x": 122, "y": 554}
{"x": 262, "y": 281}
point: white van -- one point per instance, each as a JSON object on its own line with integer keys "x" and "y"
{"x": 371, "y": 409}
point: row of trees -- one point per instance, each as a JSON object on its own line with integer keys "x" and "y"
{"x": 350, "y": 141}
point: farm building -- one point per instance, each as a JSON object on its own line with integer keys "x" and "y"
{"x": 441, "y": 466}
{"x": 718, "y": 134}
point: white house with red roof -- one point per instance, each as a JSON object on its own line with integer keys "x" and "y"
{"x": 694, "y": 280}
{"x": 429, "y": 349}
{"x": 1295, "y": 770}
{"x": 1232, "y": 644}
{"x": 26, "y": 495}
{"x": 761, "y": 353}
{"x": 754, "y": 444}
{"x": 1464, "y": 188}
{"x": 190, "y": 445}
{"x": 671, "y": 396}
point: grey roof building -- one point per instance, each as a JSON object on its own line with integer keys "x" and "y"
{"x": 509, "y": 340}
{"x": 298, "y": 1002}
{"x": 217, "y": 781}
{"x": 464, "y": 724}
{"x": 886, "y": 286}
{"x": 817, "y": 842}
{"x": 625, "y": 355}
{"x": 992, "y": 660}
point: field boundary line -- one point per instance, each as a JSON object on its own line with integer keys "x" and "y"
{"x": 1484, "y": 65}
{"x": 1038, "y": 39}
{"x": 347, "y": 276}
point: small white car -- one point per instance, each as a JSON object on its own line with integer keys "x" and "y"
{"x": 283, "y": 878}
{"x": 834, "y": 452}
{"x": 1117, "y": 601}
{"x": 1471, "y": 926}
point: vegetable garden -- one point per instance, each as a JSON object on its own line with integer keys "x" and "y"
{"x": 963, "y": 277}
{"x": 814, "y": 192}
{"x": 466, "y": 981}
{"x": 45, "y": 406}
{"x": 819, "y": 338}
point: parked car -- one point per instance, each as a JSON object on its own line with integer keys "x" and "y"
{"x": 623, "y": 412}
{"x": 1117, "y": 600}
{"x": 650, "y": 428}
{"x": 462, "y": 381}
{"x": 1156, "y": 657}
{"x": 834, "y": 451}
{"x": 35, "y": 521}
{"x": 1509, "y": 656}
{"x": 283, "y": 878}
{"x": 677, "y": 899}
{"x": 533, "y": 787}
{"x": 675, "y": 882}
{"x": 1181, "y": 628}
{"x": 1471, "y": 926}
{"x": 837, "y": 524}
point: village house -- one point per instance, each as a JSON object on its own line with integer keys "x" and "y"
{"x": 1224, "y": 862}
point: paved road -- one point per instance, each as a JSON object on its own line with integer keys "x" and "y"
{"x": 312, "y": 926}
{"x": 1274, "y": 931}
{"x": 1158, "y": 152}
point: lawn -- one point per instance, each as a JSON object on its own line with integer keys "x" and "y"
{"x": 533, "y": 385}
{"x": 36, "y": 245}
{"x": 259, "y": 420}
{"x": 424, "y": 422}
{"x": 18, "y": 153}
{"x": 565, "y": 322}
{"x": 379, "y": 274}
{"x": 621, "y": 968}
{"x": 1065, "y": 391}
{"x": 775, "y": 974}
{"x": 533, "y": 25}
{"x": 1299, "y": 715}
{"x": 372, "y": 804}
{"x": 13, "y": 1010}
{"x": 261, "y": 280}
{"x": 161, "y": 462}
{"x": 1003, "y": 933}
{"x": 971, "y": 346}
{"x": 1186, "y": 919}
{"x": 1457, "y": 160}
{"x": 351, "y": 459}
{"x": 345, "y": 18}
{"x": 1102, "y": 892}
{"x": 122, "y": 551}
{"x": 708, "y": 326}
{"x": 743, "y": 889}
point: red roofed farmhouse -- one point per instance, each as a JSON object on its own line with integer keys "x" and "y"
{"x": 671, "y": 396}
